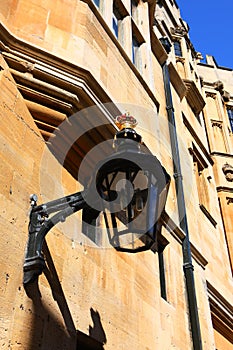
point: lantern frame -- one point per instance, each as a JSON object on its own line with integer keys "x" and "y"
{"x": 132, "y": 157}
{"x": 130, "y": 154}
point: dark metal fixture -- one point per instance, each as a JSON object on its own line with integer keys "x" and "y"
{"x": 140, "y": 185}
{"x": 130, "y": 188}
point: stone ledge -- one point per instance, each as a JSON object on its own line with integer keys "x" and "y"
{"x": 194, "y": 97}
{"x": 179, "y": 235}
{"x": 176, "y": 81}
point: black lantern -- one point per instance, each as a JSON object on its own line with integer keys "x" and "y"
{"x": 133, "y": 186}
{"x": 130, "y": 188}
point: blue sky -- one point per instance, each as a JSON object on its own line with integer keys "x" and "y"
{"x": 211, "y": 27}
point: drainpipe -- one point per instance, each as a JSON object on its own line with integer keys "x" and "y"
{"x": 186, "y": 248}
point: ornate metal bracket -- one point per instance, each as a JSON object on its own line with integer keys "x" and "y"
{"x": 40, "y": 224}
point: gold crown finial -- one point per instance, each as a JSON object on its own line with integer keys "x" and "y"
{"x": 125, "y": 121}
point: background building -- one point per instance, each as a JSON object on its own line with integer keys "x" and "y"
{"x": 63, "y": 57}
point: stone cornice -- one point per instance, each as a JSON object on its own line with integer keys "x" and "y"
{"x": 176, "y": 81}
{"x": 221, "y": 312}
{"x": 178, "y": 31}
{"x": 158, "y": 49}
{"x": 194, "y": 96}
{"x": 224, "y": 189}
{"x": 33, "y": 57}
{"x": 54, "y": 89}
{"x": 220, "y": 154}
{"x": 179, "y": 235}
{"x": 208, "y": 215}
{"x": 32, "y": 53}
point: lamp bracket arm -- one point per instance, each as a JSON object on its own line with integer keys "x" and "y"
{"x": 40, "y": 224}
{"x": 55, "y": 205}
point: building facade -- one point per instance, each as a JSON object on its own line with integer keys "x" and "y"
{"x": 96, "y": 59}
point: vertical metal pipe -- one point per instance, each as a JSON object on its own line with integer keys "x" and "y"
{"x": 187, "y": 258}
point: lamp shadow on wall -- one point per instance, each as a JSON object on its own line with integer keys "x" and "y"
{"x": 48, "y": 331}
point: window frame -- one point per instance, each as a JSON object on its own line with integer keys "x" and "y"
{"x": 177, "y": 48}
{"x": 119, "y": 13}
{"x": 162, "y": 274}
{"x": 115, "y": 22}
{"x": 230, "y": 117}
{"x": 161, "y": 245}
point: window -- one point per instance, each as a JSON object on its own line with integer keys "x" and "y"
{"x": 121, "y": 29}
{"x": 177, "y": 48}
{"x": 162, "y": 243}
{"x": 97, "y": 3}
{"x": 162, "y": 279}
{"x": 115, "y": 26}
{"x": 230, "y": 116}
{"x": 135, "y": 51}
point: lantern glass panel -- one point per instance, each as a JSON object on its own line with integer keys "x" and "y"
{"x": 131, "y": 216}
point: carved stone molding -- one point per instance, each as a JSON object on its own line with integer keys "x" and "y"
{"x": 226, "y": 96}
{"x": 53, "y": 90}
{"x": 178, "y": 31}
{"x": 211, "y": 95}
{"x": 180, "y": 59}
{"x": 221, "y": 311}
{"x": 219, "y": 86}
{"x": 229, "y": 200}
{"x": 216, "y": 123}
{"x": 228, "y": 171}
{"x": 208, "y": 215}
{"x": 198, "y": 56}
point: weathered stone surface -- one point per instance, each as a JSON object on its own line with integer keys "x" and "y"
{"x": 113, "y": 298}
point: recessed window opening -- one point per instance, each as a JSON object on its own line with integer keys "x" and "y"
{"x": 230, "y": 116}
{"x": 117, "y": 18}
{"x": 97, "y": 3}
{"x": 135, "y": 51}
{"x": 177, "y": 48}
{"x": 162, "y": 243}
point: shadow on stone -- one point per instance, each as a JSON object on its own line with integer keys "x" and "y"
{"x": 48, "y": 330}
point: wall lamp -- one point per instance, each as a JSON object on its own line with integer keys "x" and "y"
{"x": 129, "y": 187}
